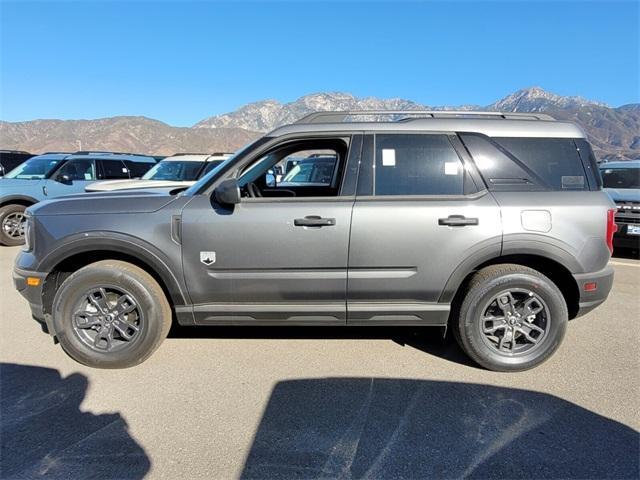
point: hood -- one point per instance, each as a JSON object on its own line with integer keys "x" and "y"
{"x": 104, "y": 203}
{"x": 619, "y": 194}
{"x": 112, "y": 185}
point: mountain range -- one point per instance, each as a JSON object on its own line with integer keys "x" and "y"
{"x": 613, "y": 132}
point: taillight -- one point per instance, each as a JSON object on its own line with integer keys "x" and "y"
{"x": 611, "y": 227}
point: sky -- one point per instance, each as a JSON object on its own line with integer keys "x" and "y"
{"x": 180, "y": 62}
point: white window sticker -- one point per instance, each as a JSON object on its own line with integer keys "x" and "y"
{"x": 451, "y": 168}
{"x": 124, "y": 170}
{"x": 388, "y": 157}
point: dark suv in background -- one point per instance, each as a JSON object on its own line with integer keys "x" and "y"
{"x": 622, "y": 182}
{"x": 10, "y": 159}
{"x": 492, "y": 225}
{"x": 55, "y": 174}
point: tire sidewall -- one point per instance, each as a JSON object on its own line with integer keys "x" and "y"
{"x": 472, "y": 335}
{"x": 5, "y": 239}
{"x": 78, "y": 284}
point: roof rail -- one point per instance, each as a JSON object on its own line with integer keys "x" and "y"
{"x": 100, "y": 152}
{"x": 340, "y": 116}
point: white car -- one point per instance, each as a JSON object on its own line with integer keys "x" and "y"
{"x": 179, "y": 170}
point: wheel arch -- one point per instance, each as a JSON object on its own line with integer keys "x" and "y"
{"x": 76, "y": 254}
{"x": 17, "y": 200}
{"x": 557, "y": 271}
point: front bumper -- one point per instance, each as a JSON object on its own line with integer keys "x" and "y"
{"x": 591, "y": 299}
{"x": 33, "y": 294}
{"x": 622, "y": 239}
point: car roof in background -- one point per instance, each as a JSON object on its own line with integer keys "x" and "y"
{"x": 623, "y": 164}
{"x": 196, "y": 157}
{"x": 113, "y": 156}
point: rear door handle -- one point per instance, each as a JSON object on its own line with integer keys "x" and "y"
{"x": 457, "y": 221}
{"x": 314, "y": 221}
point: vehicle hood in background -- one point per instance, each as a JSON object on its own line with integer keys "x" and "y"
{"x": 112, "y": 185}
{"x": 104, "y": 203}
{"x": 619, "y": 194}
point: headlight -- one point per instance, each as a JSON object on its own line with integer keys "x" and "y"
{"x": 28, "y": 233}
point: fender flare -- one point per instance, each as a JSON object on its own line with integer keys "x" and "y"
{"x": 121, "y": 244}
{"x": 8, "y": 199}
{"x": 522, "y": 244}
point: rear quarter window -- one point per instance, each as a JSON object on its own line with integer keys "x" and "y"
{"x": 512, "y": 163}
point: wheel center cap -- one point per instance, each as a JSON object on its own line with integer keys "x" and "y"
{"x": 110, "y": 317}
{"x": 512, "y": 320}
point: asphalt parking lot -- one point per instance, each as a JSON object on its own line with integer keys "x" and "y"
{"x": 323, "y": 402}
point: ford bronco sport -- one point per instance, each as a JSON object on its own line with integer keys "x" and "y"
{"x": 493, "y": 225}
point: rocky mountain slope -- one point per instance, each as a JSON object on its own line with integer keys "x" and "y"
{"x": 614, "y": 132}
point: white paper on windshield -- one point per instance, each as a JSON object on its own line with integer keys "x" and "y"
{"x": 388, "y": 157}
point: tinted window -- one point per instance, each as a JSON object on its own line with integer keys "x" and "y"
{"x": 210, "y": 166}
{"x": 138, "y": 169}
{"x": 82, "y": 169}
{"x": 415, "y": 164}
{"x": 114, "y": 169}
{"x": 554, "y": 160}
{"x": 621, "y": 177}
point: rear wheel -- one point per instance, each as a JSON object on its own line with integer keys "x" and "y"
{"x": 512, "y": 318}
{"x": 12, "y": 223}
{"x": 111, "y": 314}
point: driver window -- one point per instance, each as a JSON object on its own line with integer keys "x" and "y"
{"x": 82, "y": 169}
{"x": 303, "y": 169}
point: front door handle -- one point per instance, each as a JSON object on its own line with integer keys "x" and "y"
{"x": 457, "y": 221}
{"x": 314, "y": 221}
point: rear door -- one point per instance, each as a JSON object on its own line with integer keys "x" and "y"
{"x": 421, "y": 212}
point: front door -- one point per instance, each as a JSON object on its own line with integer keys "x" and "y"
{"x": 281, "y": 254}
{"x": 72, "y": 177}
{"x": 418, "y": 216}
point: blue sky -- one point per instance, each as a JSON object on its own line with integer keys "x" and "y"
{"x": 180, "y": 62}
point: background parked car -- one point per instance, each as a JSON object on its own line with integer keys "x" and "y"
{"x": 179, "y": 170}
{"x": 621, "y": 181}
{"x": 55, "y": 174}
{"x": 10, "y": 159}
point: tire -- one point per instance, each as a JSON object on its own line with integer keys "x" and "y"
{"x": 120, "y": 286}
{"x": 525, "y": 286}
{"x": 8, "y": 215}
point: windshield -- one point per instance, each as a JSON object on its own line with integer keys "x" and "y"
{"x": 183, "y": 171}
{"x": 621, "y": 177}
{"x": 34, "y": 168}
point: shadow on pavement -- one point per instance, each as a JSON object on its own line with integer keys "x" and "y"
{"x": 396, "y": 428}
{"x": 426, "y": 339}
{"x": 44, "y": 433}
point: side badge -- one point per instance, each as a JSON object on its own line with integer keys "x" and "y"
{"x": 208, "y": 258}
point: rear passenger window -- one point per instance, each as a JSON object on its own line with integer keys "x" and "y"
{"x": 113, "y": 169}
{"x": 417, "y": 164}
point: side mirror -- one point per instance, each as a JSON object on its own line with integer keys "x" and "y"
{"x": 66, "y": 179}
{"x": 228, "y": 192}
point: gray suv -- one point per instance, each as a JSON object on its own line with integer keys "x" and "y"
{"x": 492, "y": 225}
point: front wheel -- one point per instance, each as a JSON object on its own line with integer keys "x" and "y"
{"x": 111, "y": 314}
{"x": 12, "y": 223}
{"x": 512, "y": 318}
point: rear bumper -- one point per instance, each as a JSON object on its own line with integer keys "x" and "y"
{"x": 592, "y": 299}
{"x": 33, "y": 295}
